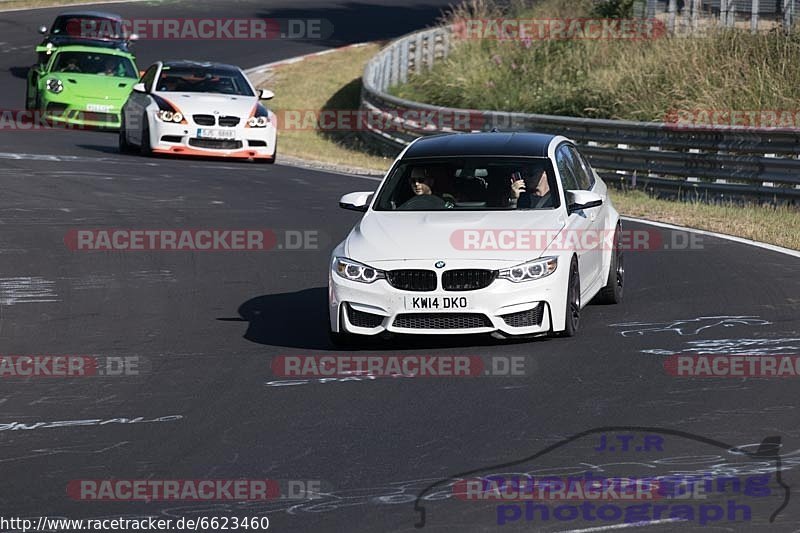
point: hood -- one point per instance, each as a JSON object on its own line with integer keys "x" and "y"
{"x": 94, "y": 86}
{"x": 199, "y": 103}
{"x": 470, "y": 235}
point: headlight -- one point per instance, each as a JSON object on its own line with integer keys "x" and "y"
{"x": 55, "y": 85}
{"x": 355, "y": 271}
{"x": 257, "y": 122}
{"x": 166, "y": 115}
{"x": 531, "y": 270}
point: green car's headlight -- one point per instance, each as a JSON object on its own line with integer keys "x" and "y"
{"x": 531, "y": 270}
{"x": 54, "y": 85}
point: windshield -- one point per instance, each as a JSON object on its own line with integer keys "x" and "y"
{"x": 203, "y": 80}
{"x": 94, "y": 63}
{"x": 88, "y": 27}
{"x": 470, "y": 183}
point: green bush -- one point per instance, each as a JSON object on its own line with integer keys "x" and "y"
{"x": 615, "y": 9}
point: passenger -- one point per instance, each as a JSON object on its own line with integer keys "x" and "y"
{"x": 539, "y": 196}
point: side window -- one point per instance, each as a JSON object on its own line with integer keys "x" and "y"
{"x": 583, "y": 172}
{"x": 565, "y": 169}
{"x": 149, "y": 77}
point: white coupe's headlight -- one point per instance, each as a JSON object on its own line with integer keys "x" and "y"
{"x": 168, "y": 116}
{"x": 55, "y": 85}
{"x": 531, "y": 270}
{"x": 258, "y": 122}
{"x": 355, "y": 271}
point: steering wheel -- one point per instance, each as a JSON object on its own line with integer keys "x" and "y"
{"x": 424, "y": 201}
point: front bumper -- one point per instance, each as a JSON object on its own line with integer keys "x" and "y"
{"x": 80, "y": 111}
{"x": 526, "y": 308}
{"x": 183, "y": 139}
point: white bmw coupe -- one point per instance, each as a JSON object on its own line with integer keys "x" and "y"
{"x": 198, "y": 109}
{"x": 502, "y": 233}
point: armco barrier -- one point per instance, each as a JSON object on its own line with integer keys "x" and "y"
{"x": 713, "y": 162}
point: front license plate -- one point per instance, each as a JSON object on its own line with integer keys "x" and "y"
{"x": 100, "y": 108}
{"x": 206, "y": 133}
{"x": 436, "y": 302}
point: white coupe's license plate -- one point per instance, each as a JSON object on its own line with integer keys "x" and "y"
{"x": 206, "y": 133}
{"x": 100, "y": 108}
{"x": 436, "y": 302}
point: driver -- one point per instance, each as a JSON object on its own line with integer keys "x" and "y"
{"x": 538, "y": 196}
{"x": 423, "y": 183}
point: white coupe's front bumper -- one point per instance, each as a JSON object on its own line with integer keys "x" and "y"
{"x": 185, "y": 139}
{"x": 524, "y": 308}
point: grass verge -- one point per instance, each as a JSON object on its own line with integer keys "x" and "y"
{"x": 773, "y": 225}
{"x": 646, "y": 79}
{"x": 35, "y": 4}
{"x": 337, "y": 86}
{"x": 327, "y": 82}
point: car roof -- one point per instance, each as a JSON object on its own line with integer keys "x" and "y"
{"x": 185, "y": 63}
{"x": 95, "y": 14}
{"x": 489, "y": 144}
{"x": 95, "y": 49}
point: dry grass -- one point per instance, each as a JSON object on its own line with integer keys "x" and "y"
{"x": 616, "y": 79}
{"x": 331, "y": 81}
{"x": 774, "y": 225}
{"x": 30, "y": 4}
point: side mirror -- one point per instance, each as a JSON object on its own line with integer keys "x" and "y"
{"x": 139, "y": 88}
{"x": 43, "y": 29}
{"x": 266, "y": 94}
{"x": 578, "y": 200}
{"x": 356, "y": 201}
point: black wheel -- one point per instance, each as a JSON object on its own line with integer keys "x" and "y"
{"x": 573, "y": 304}
{"x": 31, "y": 103}
{"x": 612, "y": 292}
{"x": 124, "y": 146}
{"x": 345, "y": 340}
{"x": 144, "y": 147}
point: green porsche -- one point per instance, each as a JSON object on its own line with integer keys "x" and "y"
{"x": 82, "y": 85}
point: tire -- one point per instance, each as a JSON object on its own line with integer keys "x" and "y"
{"x": 612, "y": 292}
{"x": 125, "y": 147}
{"x": 144, "y": 147}
{"x": 31, "y": 104}
{"x": 345, "y": 340}
{"x": 573, "y": 303}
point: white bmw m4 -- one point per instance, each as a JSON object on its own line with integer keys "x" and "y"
{"x": 198, "y": 109}
{"x": 502, "y": 233}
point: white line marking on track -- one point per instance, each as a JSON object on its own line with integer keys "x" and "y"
{"x": 624, "y": 526}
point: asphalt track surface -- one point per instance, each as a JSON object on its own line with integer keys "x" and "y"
{"x": 205, "y": 327}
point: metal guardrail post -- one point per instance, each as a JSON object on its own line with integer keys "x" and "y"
{"x": 754, "y": 17}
